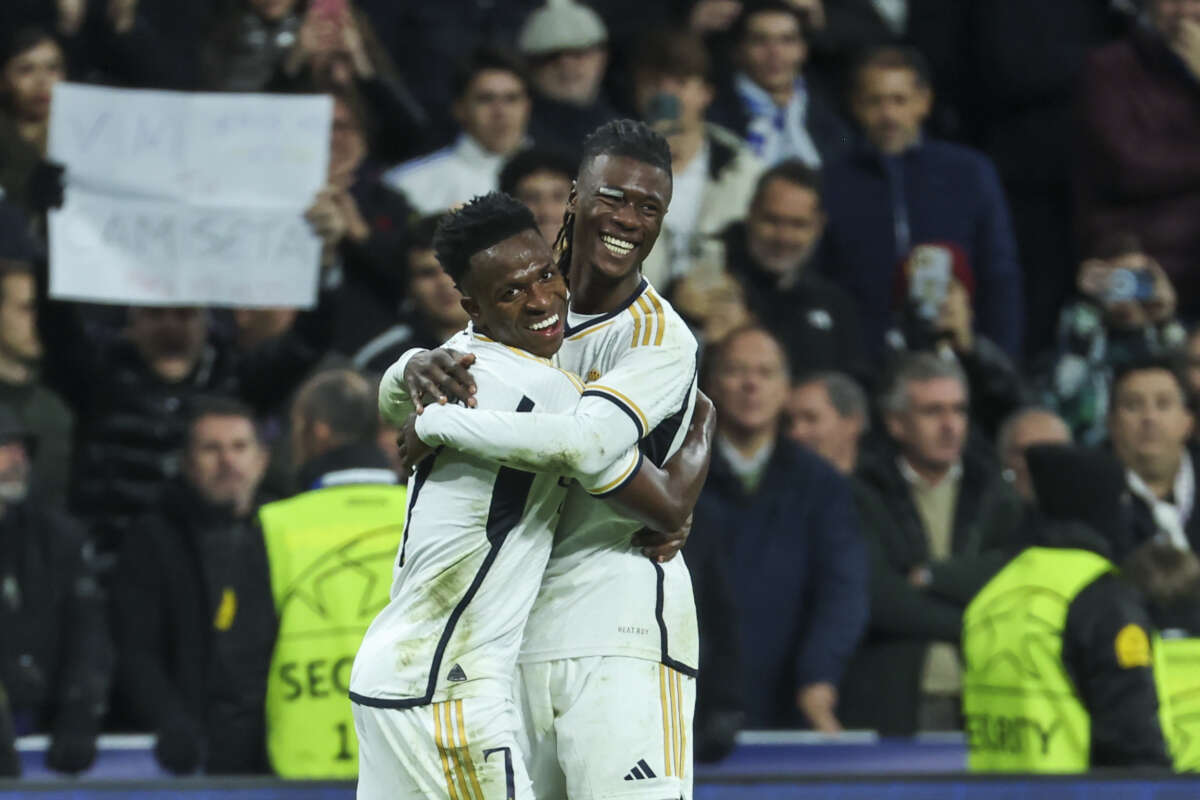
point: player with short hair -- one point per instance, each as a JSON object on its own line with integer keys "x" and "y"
{"x": 432, "y": 682}
{"x": 609, "y": 657}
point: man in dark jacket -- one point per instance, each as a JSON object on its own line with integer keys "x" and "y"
{"x": 55, "y": 655}
{"x": 772, "y": 256}
{"x": 783, "y": 521}
{"x": 1139, "y": 171}
{"x": 943, "y": 517}
{"x": 188, "y": 609}
{"x": 1150, "y": 424}
{"x": 899, "y": 190}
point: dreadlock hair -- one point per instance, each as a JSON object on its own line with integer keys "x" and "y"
{"x": 484, "y": 221}
{"x": 628, "y": 138}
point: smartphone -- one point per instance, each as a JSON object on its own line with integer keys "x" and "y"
{"x": 662, "y": 113}
{"x": 930, "y": 269}
{"x": 1126, "y": 285}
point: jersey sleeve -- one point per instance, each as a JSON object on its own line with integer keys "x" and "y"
{"x": 395, "y": 406}
{"x": 584, "y": 442}
{"x": 648, "y": 384}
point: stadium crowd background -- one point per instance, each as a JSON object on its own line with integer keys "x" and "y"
{"x": 895, "y": 228}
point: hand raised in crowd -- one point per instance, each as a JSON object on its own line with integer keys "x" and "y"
{"x": 440, "y": 376}
{"x": 71, "y": 14}
{"x": 317, "y": 41}
{"x": 122, "y": 14}
{"x": 357, "y": 229}
{"x": 1187, "y": 45}
{"x": 1095, "y": 282}
{"x": 711, "y": 16}
{"x": 956, "y": 318}
{"x": 817, "y": 702}
{"x": 326, "y": 217}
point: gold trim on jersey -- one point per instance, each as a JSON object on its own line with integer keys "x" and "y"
{"x": 590, "y": 331}
{"x": 670, "y": 684}
{"x": 457, "y": 765}
{"x": 625, "y": 401}
{"x": 523, "y": 354}
{"x": 648, "y": 323}
{"x": 608, "y": 487}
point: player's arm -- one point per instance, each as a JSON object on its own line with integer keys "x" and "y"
{"x": 645, "y": 387}
{"x": 424, "y": 377}
{"x": 663, "y": 499}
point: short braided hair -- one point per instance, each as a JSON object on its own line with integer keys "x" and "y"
{"x": 484, "y": 221}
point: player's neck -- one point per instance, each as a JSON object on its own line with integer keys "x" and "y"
{"x": 594, "y": 293}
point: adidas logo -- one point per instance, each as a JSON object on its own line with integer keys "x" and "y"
{"x": 640, "y": 772}
{"x": 456, "y": 674}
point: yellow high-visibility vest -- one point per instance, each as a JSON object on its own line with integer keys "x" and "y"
{"x": 1177, "y": 673}
{"x": 331, "y": 554}
{"x": 1021, "y": 708}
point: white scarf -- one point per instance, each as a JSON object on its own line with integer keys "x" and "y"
{"x": 1170, "y": 518}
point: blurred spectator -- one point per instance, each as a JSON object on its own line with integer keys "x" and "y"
{"x": 774, "y": 256}
{"x": 430, "y": 36}
{"x": 1169, "y": 579}
{"x": 432, "y": 310}
{"x": 1125, "y": 311}
{"x": 1150, "y": 425}
{"x": 947, "y": 518}
{"x": 1193, "y": 359}
{"x": 186, "y": 610}
{"x": 363, "y": 222}
{"x": 253, "y": 38}
{"x": 829, "y": 414}
{"x": 331, "y": 550}
{"x": 565, "y": 43}
{"x": 1022, "y": 430}
{"x": 31, "y": 63}
{"x": 935, "y": 290}
{"x": 1023, "y": 118}
{"x": 56, "y": 658}
{"x": 797, "y": 568}
{"x": 542, "y": 180}
{"x": 491, "y": 105}
{"x": 768, "y": 102}
{"x": 1059, "y": 640}
{"x": 336, "y": 51}
{"x": 713, "y": 171}
{"x": 1141, "y": 172}
{"x": 41, "y": 410}
{"x": 900, "y": 189}
{"x": 712, "y": 301}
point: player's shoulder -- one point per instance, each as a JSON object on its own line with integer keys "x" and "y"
{"x": 645, "y": 320}
{"x": 507, "y": 372}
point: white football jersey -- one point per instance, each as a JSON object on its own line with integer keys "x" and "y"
{"x": 476, "y": 541}
{"x": 600, "y": 595}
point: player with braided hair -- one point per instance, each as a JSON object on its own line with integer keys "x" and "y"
{"x": 607, "y": 668}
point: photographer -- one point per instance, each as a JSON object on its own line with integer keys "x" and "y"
{"x": 1125, "y": 312}
{"x": 934, "y": 294}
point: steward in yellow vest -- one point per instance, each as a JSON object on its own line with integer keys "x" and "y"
{"x": 1170, "y": 580}
{"x": 1058, "y": 654}
{"x": 331, "y": 550}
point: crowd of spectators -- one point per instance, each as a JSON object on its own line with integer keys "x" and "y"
{"x": 916, "y": 238}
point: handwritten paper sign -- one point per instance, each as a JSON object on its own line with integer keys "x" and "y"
{"x": 187, "y": 199}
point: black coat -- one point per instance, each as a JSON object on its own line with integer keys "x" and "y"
{"x": 183, "y": 656}
{"x": 816, "y": 321}
{"x": 55, "y": 653}
{"x": 882, "y": 686}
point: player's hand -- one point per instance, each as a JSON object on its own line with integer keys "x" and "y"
{"x": 817, "y": 702}
{"x": 662, "y": 547}
{"x": 440, "y": 376}
{"x": 412, "y": 450}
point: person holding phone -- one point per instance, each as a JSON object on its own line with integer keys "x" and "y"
{"x": 1125, "y": 310}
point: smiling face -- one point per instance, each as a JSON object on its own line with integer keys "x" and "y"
{"x": 619, "y": 204}
{"x": 516, "y": 295}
